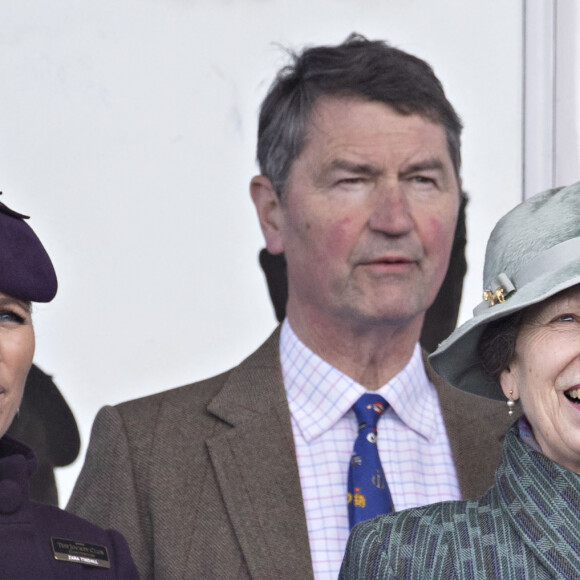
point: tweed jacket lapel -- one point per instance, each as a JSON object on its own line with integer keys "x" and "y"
{"x": 542, "y": 501}
{"x": 476, "y": 427}
{"x": 256, "y": 468}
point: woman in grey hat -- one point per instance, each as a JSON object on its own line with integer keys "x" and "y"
{"x": 523, "y": 343}
{"x": 37, "y": 540}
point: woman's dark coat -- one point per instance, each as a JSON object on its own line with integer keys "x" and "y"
{"x": 31, "y": 534}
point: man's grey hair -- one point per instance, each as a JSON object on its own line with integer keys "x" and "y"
{"x": 360, "y": 69}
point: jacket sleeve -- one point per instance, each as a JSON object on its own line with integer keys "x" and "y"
{"x": 106, "y": 492}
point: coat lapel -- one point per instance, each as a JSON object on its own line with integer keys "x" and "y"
{"x": 540, "y": 498}
{"x": 256, "y": 468}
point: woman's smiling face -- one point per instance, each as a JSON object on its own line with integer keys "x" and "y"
{"x": 16, "y": 352}
{"x": 545, "y": 375}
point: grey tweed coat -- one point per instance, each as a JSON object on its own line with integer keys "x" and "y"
{"x": 527, "y": 526}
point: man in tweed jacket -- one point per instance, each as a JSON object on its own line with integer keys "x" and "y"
{"x": 359, "y": 154}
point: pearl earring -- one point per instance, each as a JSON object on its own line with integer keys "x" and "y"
{"x": 510, "y": 404}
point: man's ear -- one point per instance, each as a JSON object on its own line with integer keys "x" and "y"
{"x": 510, "y": 383}
{"x": 269, "y": 211}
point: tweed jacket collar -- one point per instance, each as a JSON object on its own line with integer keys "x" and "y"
{"x": 542, "y": 500}
{"x": 256, "y": 468}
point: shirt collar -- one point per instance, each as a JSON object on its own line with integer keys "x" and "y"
{"x": 319, "y": 394}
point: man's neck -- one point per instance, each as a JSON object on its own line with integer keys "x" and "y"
{"x": 371, "y": 355}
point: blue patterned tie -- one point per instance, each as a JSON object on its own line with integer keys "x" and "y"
{"x": 368, "y": 493}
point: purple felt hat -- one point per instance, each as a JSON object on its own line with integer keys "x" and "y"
{"x": 26, "y": 272}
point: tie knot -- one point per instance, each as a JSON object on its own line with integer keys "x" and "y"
{"x": 368, "y": 409}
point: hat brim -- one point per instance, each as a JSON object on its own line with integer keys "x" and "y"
{"x": 456, "y": 359}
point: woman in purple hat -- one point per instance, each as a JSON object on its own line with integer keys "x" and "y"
{"x": 37, "y": 540}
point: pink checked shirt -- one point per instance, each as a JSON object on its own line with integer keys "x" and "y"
{"x": 412, "y": 441}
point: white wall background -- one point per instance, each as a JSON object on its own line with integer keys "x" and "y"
{"x": 552, "y": 94}
{"x": 127, "y": 132}
{"x": 567, "y": 92}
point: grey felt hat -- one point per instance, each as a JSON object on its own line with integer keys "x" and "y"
{"x": 533, "y": 253}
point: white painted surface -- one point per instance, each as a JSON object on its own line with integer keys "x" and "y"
{"x": 127, "y": 130}
{"x": 552, "y": 94}
{"x": 539, "y": 87}
{"x": 567, "y": 111}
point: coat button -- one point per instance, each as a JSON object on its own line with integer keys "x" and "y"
{"x": 11, "y": 496}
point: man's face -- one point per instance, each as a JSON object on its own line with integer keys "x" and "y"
{"x": 367, "y": 217}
